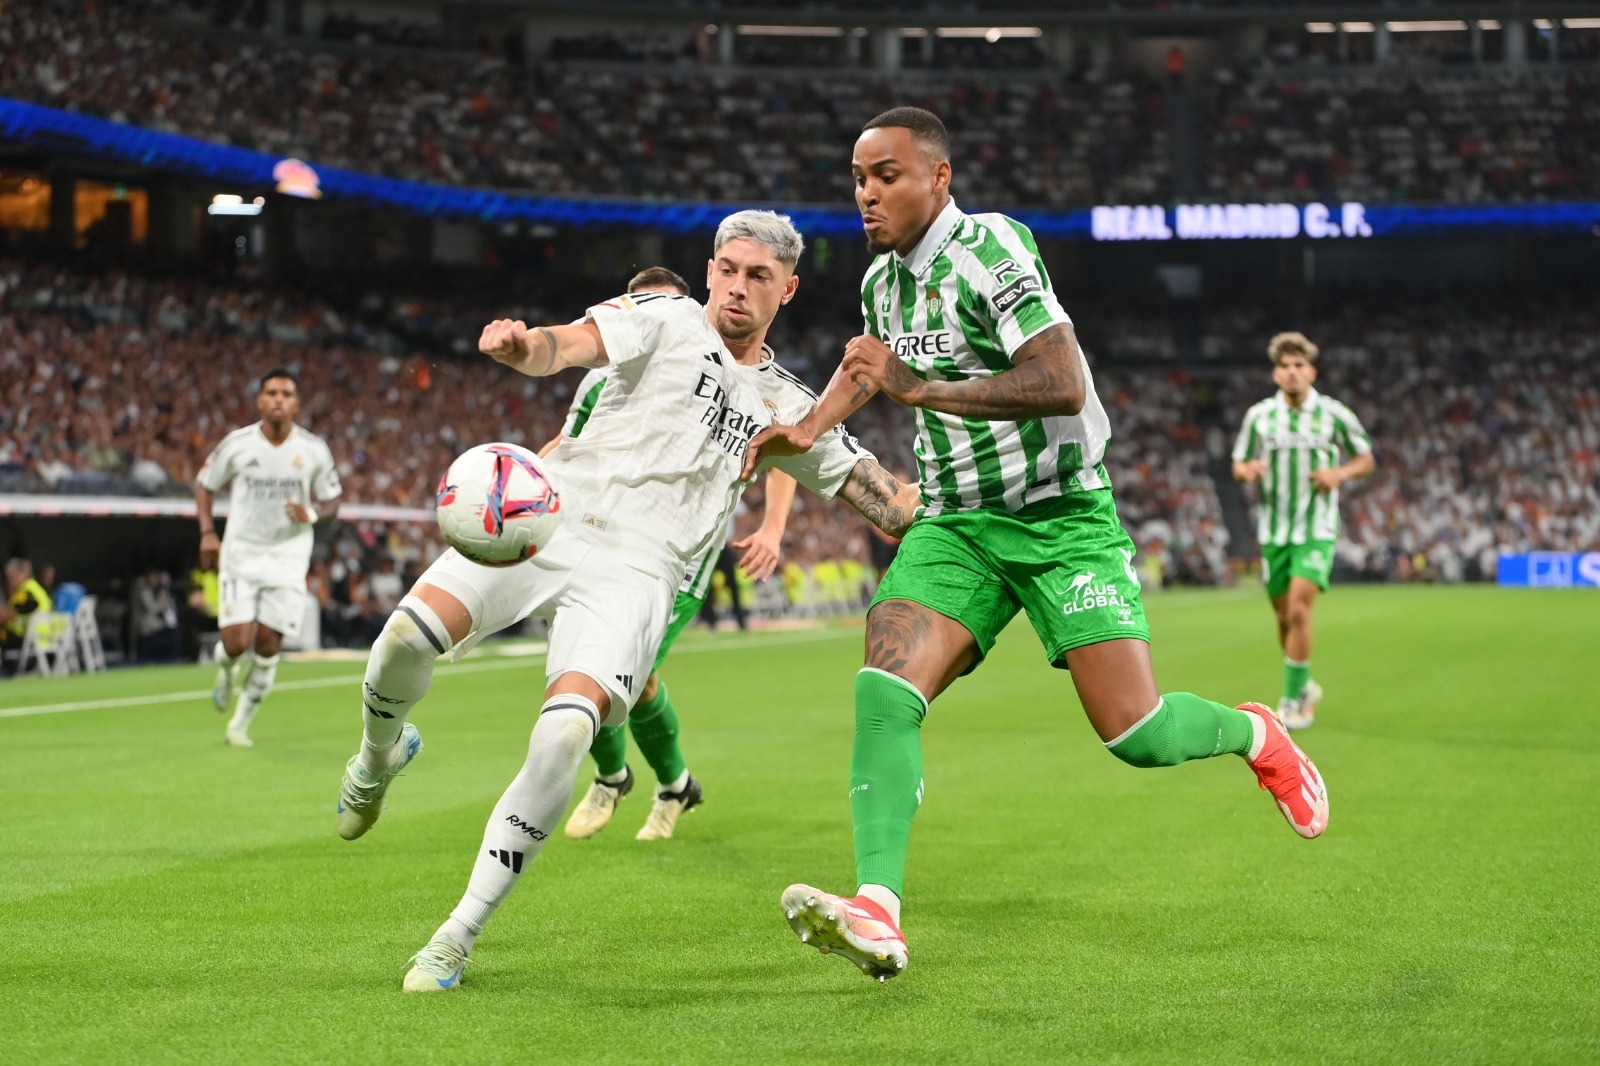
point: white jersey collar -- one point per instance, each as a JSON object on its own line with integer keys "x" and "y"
{"x": 933, "y": 242}
{"x": 1312, "y": 398}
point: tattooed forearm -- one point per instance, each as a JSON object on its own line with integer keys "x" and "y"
{"x": 879, "y": 496}
{"x": 1046, "y": 380}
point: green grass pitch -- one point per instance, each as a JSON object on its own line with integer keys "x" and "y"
{"x": 165, "y": 899}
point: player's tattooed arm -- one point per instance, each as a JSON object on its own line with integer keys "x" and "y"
{"x": 1046, "y": 379}
{"x": 880, "y": 496}
{"x": 542, "y": 350}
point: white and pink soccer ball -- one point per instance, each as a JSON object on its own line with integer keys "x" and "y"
{"x": 496, "y": 505}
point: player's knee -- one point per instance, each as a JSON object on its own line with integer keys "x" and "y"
{"x": 566, "y": 728}
{"x": 414, "y": 631}
{"x": 1299, "y": 615}
{"x": 652, "y": 685}
{"x": 268, "y": 643}
{"x": 1151, "y": 743}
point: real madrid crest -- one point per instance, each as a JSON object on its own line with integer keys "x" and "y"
{"x": 772, "y": 408}
{"x": 299, "y": 461}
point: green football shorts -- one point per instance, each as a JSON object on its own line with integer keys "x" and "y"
{"x": 684, "y": 609}
{"x": 1067, "y": 562}
{"x": 1312, "y": 560}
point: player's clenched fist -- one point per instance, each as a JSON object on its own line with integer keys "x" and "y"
{"x": 872, "y": 366}
{"x": 504, "y": 340}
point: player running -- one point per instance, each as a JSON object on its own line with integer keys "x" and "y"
{"x": 654, "y": 720}
{"x": 1290, "y": 444}
{"x": 284, "y": 480}
{"x": 645, "y": 487}
{"x": 1016, "y": 514}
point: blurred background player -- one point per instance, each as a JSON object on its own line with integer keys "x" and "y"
{"x": 1017, "y": 514}
{"x": 1290, "y": 444}
{"x": 284, "y": 480}
{"x": 654, "y": 720}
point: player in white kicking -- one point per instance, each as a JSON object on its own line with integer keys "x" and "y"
{"x": 654, "y": 720}
{"x": 648, "y": 484}
{"x": 284, "y": 480}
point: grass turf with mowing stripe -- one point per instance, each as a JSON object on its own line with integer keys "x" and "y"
{"x": 167, "y": 899}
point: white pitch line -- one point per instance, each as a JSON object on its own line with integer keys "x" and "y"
{"x": 509, "y": 663}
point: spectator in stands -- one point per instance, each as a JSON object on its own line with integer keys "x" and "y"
{"x": 383, "y": 595}
{"x": 155, "y": 617}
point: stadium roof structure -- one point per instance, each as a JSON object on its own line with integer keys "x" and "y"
{"x": 1150, "y": 14}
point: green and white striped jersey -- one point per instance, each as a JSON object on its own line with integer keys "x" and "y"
{"x": 971, "y": 293}
{"x": 1295, "y": 442}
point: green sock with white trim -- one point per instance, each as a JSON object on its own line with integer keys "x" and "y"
{"x": 1295, "y": 676}
{"x": 1184, "y": 726}
{"x": 885, "y": 775}
{"x": 655, "y": 730}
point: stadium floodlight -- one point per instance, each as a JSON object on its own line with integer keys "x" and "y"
{"x": 989, "y": 33}
{"x": 1359, "y": 27}
{"x": 227, "y": 203}
{"x": 1427, "y": 26}
{"x": 790, "y": 31}
{"x": 1321, "y": 27}
{"x": 1581, "y": 24}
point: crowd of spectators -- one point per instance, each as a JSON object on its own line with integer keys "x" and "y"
{"x": 1485, "y": 410}
{"x": 1456, "y": 136}
{"x": 638, "y": 115}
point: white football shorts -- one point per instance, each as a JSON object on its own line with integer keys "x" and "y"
{"x": 606, "y": 618}
{"x": 278, "y": 607}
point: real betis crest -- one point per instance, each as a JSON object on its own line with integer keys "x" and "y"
{"x": 935, "y": 305}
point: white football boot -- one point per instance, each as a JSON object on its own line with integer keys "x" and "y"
{"x": 361, "y": 792}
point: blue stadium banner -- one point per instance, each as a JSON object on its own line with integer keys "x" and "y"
{"x": 69, "y": 132}
{"x": 1550, "y": 570}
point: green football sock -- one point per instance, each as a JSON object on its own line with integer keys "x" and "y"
{"x": 1295, "y": 676}
{"x": 1182, "y": 727}
{"x": 885, "y": 775}
{"x": 610, "y": 750}
{"x": 655, "y": 730}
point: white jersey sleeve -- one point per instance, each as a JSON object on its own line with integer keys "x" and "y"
{"x": 632, "y": 326}
{"x": 222, "y": 464}
{"x": 824, "y": 468}
{"x": 325, "y": 484}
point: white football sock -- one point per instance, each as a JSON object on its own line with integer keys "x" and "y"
{"x": 399, "y": 672}
{"x": 614, "y": 779}
{"x": 883, "y": 897}
{"x": 528, "y": 812}
{"x": 263, "y": 670}
{"x": 676, "y": 786}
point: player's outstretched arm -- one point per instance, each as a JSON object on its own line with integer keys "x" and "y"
{"x": 763, "y": 548}
{"x": 542, "y": 350}
{"x": 1046, "y": 378}
{"x": 879, "y": 496}
{"x": 842, "y": 398}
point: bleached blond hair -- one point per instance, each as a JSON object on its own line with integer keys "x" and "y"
{"x": 769, "y": 229}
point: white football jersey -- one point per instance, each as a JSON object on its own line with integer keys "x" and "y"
{"x": 262, "y": 543}
{"x": 655, "y": 470}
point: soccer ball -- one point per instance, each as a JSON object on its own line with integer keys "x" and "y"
{"x": 496, "y": 505}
